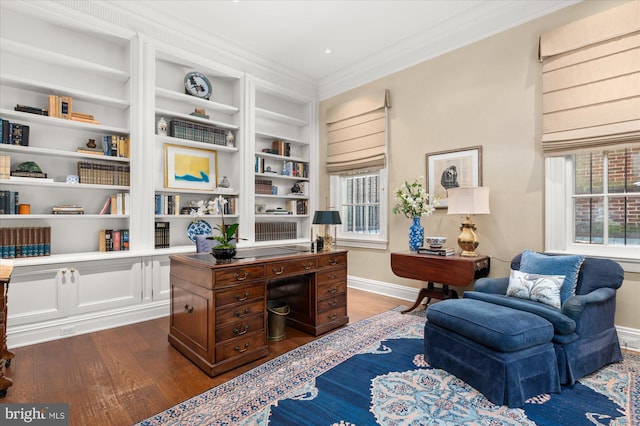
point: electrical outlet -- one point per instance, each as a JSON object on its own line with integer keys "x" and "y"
{"x": 67, "y": 331}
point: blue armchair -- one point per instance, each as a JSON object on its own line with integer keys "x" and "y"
{"x": 585, "y": 337}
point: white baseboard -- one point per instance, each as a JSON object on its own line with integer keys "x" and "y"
{"x": 45, "y": 331}
{"x": 629, "y": 337}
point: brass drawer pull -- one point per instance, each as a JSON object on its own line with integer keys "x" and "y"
{"x": 332, "y": 276}
{"x": 241, "y": 278}
{"x": 333, "y": 261}
{"x": 241, "y": 332}
{"x": 332, "y": 316}
{"x": 246, "y": 347}
{"x": 244, "y": 314}
{"x": 333, "y": 289}
{"x": 333, "y": 302}
{"x": 280, "y": 272}
{"x": 188, "y": 309}
{"x": 307, "y": 267}
{"x": 243, "y": 298}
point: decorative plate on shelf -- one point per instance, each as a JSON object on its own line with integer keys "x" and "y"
{"x": 199, "y": 227}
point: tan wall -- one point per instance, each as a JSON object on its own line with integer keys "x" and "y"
{"x": 488, "y": 94}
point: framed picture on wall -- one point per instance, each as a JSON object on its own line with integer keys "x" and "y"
{"x": 453, "y": 169}
{"x": 190, "y": 168}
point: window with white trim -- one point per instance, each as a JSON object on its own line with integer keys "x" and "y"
{"x": 361, "y": 199}
{"x": 599, "y": 191}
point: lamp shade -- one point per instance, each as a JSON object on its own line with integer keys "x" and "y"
{"x": 471, "y": 200}
{"x": 326, "y": 217}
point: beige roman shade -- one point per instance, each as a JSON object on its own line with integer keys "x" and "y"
{"x": 591, "y": 82}
{"x": 357, "y": 134}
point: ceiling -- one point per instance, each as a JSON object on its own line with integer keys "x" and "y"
{"x": 362, "y": 35}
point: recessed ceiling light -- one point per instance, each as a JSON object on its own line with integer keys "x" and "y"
{"x": 327, "y": 50}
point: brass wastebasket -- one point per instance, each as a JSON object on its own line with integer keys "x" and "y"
{"x": 277, "y": 319}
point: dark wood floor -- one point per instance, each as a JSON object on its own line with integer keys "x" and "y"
{"x": 126, "y": 374}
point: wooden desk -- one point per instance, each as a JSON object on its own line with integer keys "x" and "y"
{"x": 6, "y": 267}
{"x": 448, "y": 271}
{"x": 219, "y": 311}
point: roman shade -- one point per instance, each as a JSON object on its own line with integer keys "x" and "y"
{"x": 357, "y": 134}
{"x": 591, "y": 82}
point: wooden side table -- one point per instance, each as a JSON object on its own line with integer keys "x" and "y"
{"x": 456, "y": 271}
{"x": 6, "y": 268}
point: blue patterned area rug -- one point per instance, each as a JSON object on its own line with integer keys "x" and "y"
{"x": 373, "y": 373}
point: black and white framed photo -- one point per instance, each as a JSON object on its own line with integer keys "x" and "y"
{"x": 456, "y": 168}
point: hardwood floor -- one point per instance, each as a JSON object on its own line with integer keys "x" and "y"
{"x": 126, "y": 374}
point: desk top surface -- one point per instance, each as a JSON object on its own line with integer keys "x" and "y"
{"x": 246, "y": 256}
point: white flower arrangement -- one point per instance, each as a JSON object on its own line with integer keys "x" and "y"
{"x": 413, "y": 200}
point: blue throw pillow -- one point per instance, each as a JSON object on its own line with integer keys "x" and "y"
{"x": 569, "y": 266}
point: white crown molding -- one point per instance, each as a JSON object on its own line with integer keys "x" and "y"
{"x": 434, "y": 42}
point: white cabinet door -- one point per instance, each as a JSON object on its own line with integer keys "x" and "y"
{"x": 37, "y": 293}
{"x": 106, "y": 284}
{"x": 161, "y": 287}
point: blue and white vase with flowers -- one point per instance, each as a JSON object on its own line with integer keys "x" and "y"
{"x": 414, "y": 202}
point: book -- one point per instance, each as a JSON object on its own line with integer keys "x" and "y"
{"x": 448, "y": 251}
{"x": 82, "y": 150}
{"x": 28, "y": 179}
{"x": 65, "y": 107}
{"x": 31, "y": 110}
{"x": 106, "y": 207}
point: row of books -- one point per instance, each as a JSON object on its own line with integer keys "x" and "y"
{"x": 197, "y": 132}
{"x": 14, "y": 133}
{"x": 269, "y": 231}
{"x": 289, "y": 168}
{"x": 162, "y": 235}
{"x": 5, "y": 166}
{"x": 25, "y": 241}
{"x": 103, "y": 174}
{"x": 9, "y": 201}
{"x": 281, "y": 147}
{"x": 112, "y": 146}
{"x": 298, "y": 206}
{"x": 263, "y": 186}
{"x": 62, "y": 107}
{"x": 443, "y": 251}
{"x": 113, "y": 240}
{"x": 119, "y": 203}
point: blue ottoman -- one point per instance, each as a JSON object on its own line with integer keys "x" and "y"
{"x": 504, "y": 353}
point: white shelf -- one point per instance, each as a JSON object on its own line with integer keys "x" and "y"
{"x": 168, "y": 113}
{"x": 53, "y": 89}
{"x": 283, "y": 177}
{"x": 192, "y": 100}
{"x": 63, "y": 216}
{"x": 281, "y": 216}
{"x": 195, "y": 191}
{"x": 73, "y": 186}
{"x": 186, "y": 216}
{"x": 276, "y": 116}
{"x": 280, "y": 157}
{"x": 195, "y": 144}
{"x": 55, "y": 58}
{"x": 272, "y": 135}
{"x": 60, "y": 122}
{"x": 31, "y": 150}
{"x": 283, "y": 197}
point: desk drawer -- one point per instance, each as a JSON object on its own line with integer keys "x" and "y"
{"x": 291, "y": 267}
{"x": 331, "y": 315}
{"x": 237, "y": 347}
{"x": 244, "y": 327}
{"x": 239, "y": 274}
{"x": 334, "y": 302}
{"x": 332, "y": 260}
{"x": 331, "y": 289}
{"x": 331, "y": 275}
{"x": 245, "y": 293}
{"x": 239, "y": 312}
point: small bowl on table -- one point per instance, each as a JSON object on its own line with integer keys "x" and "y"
{"x": 435, "y": 242}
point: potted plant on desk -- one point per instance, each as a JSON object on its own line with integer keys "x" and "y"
{"x": 226, "y": 248}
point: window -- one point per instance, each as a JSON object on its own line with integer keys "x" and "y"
{"x": 361, "y": 200}
{"x": 599, "y": 191}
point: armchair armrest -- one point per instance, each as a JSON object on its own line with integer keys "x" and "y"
{"x": 492, "y": 285}
{"x": 575, "y": 305}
